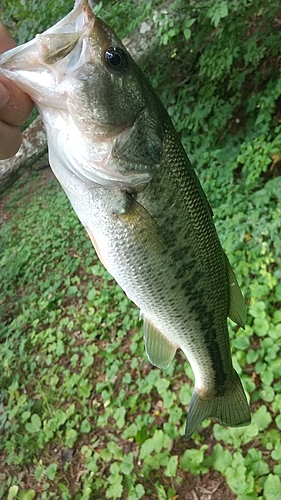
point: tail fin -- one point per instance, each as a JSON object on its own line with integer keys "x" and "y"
{"x": 231, "y": 409}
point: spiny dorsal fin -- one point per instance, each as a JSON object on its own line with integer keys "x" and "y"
{"x": 159, "y": 350}
{"x": 237, "y": 305}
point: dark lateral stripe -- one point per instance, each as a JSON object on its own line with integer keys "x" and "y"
{"x": 213, "y": 348}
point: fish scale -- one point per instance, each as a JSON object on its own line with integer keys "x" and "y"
{"x": 116, "y": 154}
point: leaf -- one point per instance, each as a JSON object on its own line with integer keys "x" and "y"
{"x": 25, "y": 415}
{"x": 258, "y": 309}
{"x": 172, "y": 465}
{"x": 261, "y": 326}
{"x": 146, "y": 448}
{"x": 131, "y": 431}
{"x": 192, "y": 460}
{"x": 115, "y": 479}
{"x": 13, "y": 490}
{"x": 276, "y": 453}
{"x": 70, "y": 438}
{"x": 85, "y": 427}
{"x": 223, "y": 9}
{"x": 267, "y": 393}
{"x": 236, "y": 474}
{"x": 255, "y": 464}
{"x": 115, "y": 490}
{"x": 161, "y": 385}
{"x": 60, "y": 417}
{"x": 127, "y": 463}
{"x": 241, "y": 343}
{"x": 221, "y": 459}
{"x": 262, "y": 418}
{"x": 38, "y": 472}
{"x": 139, "y": 490}
{"x": 92, "y": 294}
{"x": 106, "y": 455}
{"x": 187, "y": 33}
{"x": 272, "y": 488}
{"x": 51, "y": 471}
{"x": 119, "y": 416}
{"x": 60, "y": 348}
{"x": 160, "y": 440}
{"x": 278, "y": 422}
{"x": 185, "y": 394}
{"x": 156, "y": 443}
{"x": 35, "y": 423}
{"x": 72, "y": 290}
{"x": 220, "y": 10}
{"x": 115, "y": 450}
{"x": 27, "y": 494}
{"x": 91, "y": 464}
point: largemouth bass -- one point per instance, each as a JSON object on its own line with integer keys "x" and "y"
{"x": 116, "y": 154}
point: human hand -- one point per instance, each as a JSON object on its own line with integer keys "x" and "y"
{"x": 15, "y": 106}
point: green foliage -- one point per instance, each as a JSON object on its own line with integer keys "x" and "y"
{"x": 24, "y": 20}
{"x": 78, "y": 398}
{"x": 225, "y": 88}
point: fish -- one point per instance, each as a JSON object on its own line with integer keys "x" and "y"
{"x": 115, "y": 152}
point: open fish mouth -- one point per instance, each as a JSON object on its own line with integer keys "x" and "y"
{"x": 44, "y": 62}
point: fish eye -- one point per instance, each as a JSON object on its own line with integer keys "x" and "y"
{"x": 116, "y": 58}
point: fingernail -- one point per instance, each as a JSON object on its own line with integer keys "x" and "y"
{"x": 5, "y": 95}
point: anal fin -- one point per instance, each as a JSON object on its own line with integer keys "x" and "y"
{"x": 160, "y": 351}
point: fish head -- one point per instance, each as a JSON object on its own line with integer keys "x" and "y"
{"x": 90, "y": 91}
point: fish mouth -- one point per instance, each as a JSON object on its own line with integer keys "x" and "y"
{"x": 41, "y": 64}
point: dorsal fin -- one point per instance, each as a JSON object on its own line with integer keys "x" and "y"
{"x": 160, "y": 351}
{"x": 237, "y": 305}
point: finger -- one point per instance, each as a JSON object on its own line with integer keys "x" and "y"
{"x": 7, "y": 41}
{"x": 17, "y": 109}
{"x": 15, "y": 105}
{"x": 10, "y": 140}
{"x": 5, "y": 95}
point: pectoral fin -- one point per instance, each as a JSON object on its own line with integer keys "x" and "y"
{"x": 138, "y": 220}
{"x": 159, "y": 350}
{"x": 237, "y": 305}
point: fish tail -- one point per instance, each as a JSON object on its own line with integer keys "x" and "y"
{"x": 231, "y": 408}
